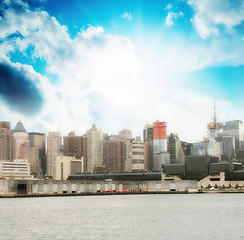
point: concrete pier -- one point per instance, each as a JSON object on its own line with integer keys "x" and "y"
{"x": 11, "y": 188}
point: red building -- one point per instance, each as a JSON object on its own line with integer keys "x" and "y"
{"x": 159, "y": 130}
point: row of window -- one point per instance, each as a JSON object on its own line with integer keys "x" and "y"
{"x": 138, "y": 161}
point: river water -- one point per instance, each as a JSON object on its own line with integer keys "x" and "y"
{"x": 160, "y": 216}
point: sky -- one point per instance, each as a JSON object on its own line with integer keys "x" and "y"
{"x": 65, "y": 65}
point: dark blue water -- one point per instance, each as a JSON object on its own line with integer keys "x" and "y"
{"x": 192, "y": 216}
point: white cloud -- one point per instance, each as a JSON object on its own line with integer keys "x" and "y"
{"x": 171, "y": 16}
{"x": 91, "y": 32}
{"x": 127, "y": 16}
{"x": 168, "y": 7}
{"x": 105, "y": 79}
{"x": 169, "y": 20}
{"x": 93, "y": 68}
{"x": 212, "y": 14}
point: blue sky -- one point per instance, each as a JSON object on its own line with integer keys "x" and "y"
{"x": 65, "y": 65}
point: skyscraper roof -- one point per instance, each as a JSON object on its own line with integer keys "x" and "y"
{"x": 19, "y": 127}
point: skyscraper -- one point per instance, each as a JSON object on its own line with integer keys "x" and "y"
{"x": 138, "y": 155}
{"x": 53, "y": 150}
{"x": 6, "y": 141}
{"x": 21, "y": 142}
{"x": 37, "y": 144}
{"x": 69, "y": 145}
{"x": 234, "y": 128}
{"x": 160, "y": 155}
{"x": 114, "y": 153}
{"x": 148, "y": 146}
{"x": 148, "y": 155}
{"x": 175, "y": 149}
{"x": 148, "y": 132}
{"x": 94, "y": 148}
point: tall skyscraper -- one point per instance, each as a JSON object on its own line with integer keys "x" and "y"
{"x": 175, "y": 149}
{"x": 148, "y": 155}
{"x": 6, "y": 141}
{"x": 234, "y": 128}
{"x": 94, "y": 148}
{"x": 114, "y": 153}
{"x": 160, "y": 155}
{"x": 128, "y": 159}
{"x": 138, "y": 155}
{"x": 53, "y": 150}
{"x": 148, "y": 150}
{"x": 21, "y": 142}
{"x": 37, "y": 144}
{"x": 148, "y": 133}
{"x": 69, "y": 145}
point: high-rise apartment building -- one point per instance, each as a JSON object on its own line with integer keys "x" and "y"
{"x": 6, "y": 141}
{"x": 128, "y": 158}
{"x": 148, "y": 133}
{"x": 114, "y": 153}
{"x": 160, "y": 155}
{"x": 37, "y": 145}
{"x": 148, "y": 150}
{"x": 94, "y": 149}
{"x": 21, "y": 142}
{"x": 148, "y": 155}
{"x": 74, "y": 146}
{"x": 53, "y": 150}
{"x": 138, "y": 155}
{"x": 175, "y": 149}
{"x": 69, "y": 145}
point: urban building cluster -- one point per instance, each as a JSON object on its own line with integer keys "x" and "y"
{"x": 27, "y": 155}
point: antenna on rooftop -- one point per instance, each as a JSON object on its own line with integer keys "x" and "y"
{"x": 215, "y": 119}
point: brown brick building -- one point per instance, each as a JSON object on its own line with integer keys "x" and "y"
{"x": 114, "y": 153}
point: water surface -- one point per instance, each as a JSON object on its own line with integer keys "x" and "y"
{"x": 166, "y": 216}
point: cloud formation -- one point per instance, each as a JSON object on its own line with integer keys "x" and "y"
{"x": 92, "y": 66}
{"x": 171, "y": 16}
{"x": 212, "y": 15}
{"x": 18, "y": 91}
{"x": 127, "y": 16}
{"x": 105, "y": 78}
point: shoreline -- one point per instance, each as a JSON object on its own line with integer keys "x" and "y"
{"x": 117, "y": 193}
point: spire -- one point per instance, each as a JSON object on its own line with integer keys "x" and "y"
{"x": 19, "y": 127}
{"x": 215, "y": 119}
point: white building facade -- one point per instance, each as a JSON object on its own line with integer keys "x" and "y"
{"x": 94, "y": 148}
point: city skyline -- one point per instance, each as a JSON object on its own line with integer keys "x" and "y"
{"x": 65, "y": 66}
